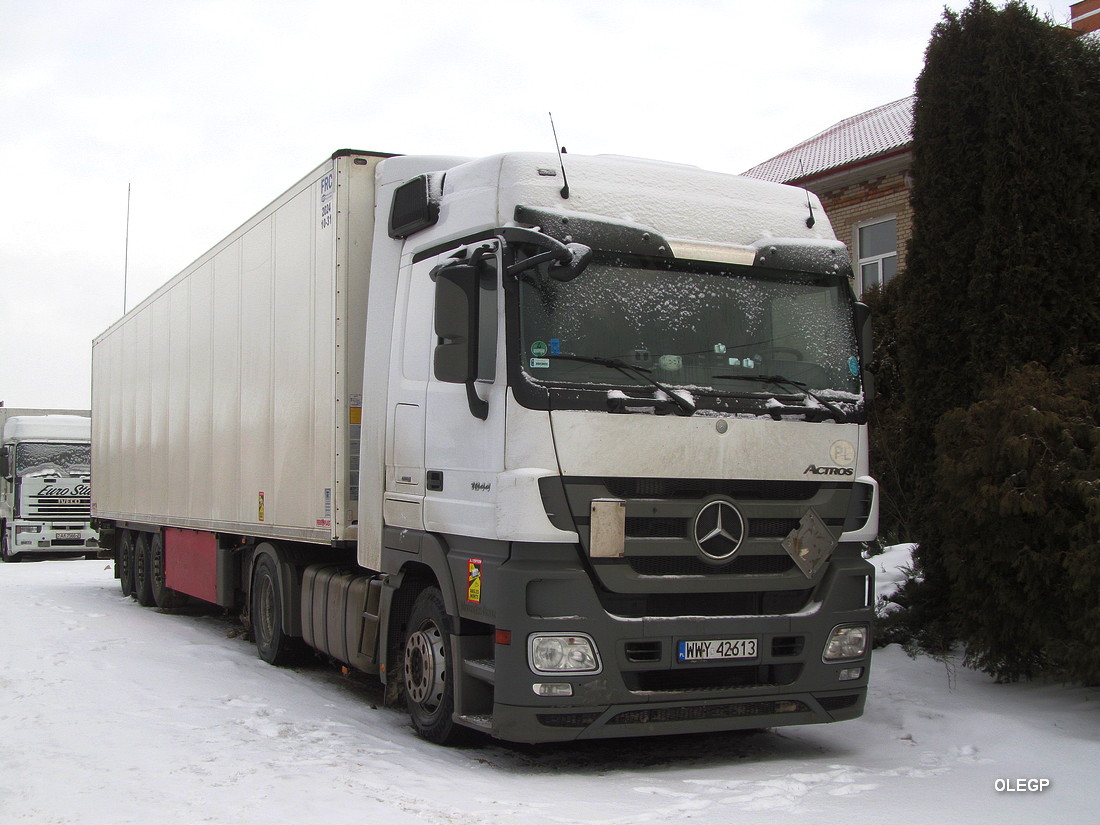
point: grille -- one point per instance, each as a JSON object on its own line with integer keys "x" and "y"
{"x": 680, "y": 528}
{"x": 788, "y": 645}
{"x": 831, "y": 703}
{"x": 67, "y": 507}
{"x": 694, "y": 566}
{"x": 567, "y": 720}
{"x": 702, "y": 488}
{"x": 728, "y": 711}
{"x": 711, "y": 678}
{"x": 653, "y": 528}
{"x": 667, "y": 605}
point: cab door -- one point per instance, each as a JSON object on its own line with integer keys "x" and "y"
{"x": 466, "y": 391}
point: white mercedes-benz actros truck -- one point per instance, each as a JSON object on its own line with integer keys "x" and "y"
{"x": 559, "y": 448}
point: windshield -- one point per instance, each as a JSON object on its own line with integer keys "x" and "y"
{"x": 39, "y": 459}
{"x": 708, "y": 329}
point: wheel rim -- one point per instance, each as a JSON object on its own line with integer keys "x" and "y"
{"x": 156, "y": 562}
{"x": 140, "y": 571}
{"x": 265, "y": 611}
{"x": 425, "y": 666}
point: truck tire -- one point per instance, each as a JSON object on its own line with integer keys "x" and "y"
{"x": 125, "y": 563}
{"x": 163, "y": 596}
{"x": 143, "y": 585}
{"x": 5, "y": 551}
{"x": 273, "y": 644}
{"x": 428, "y": 682}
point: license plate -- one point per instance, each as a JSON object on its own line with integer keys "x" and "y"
{"x": 716, "y": 650}
{"x": 66, "y": 535}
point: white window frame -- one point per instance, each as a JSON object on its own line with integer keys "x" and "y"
{"x": 861, "y": 260}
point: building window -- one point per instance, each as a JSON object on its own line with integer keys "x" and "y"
{"x": 877, "y": 253}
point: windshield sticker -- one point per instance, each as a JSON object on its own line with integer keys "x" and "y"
{"x": 540, "y": 363}
{"x": 555, "y": 346}
{"x": 539, "y": 349}
{"x": 853, "y": 366}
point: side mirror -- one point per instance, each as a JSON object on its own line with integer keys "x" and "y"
{"x": 456, "y": 323}
{"x": 5, "y": 462}
{"x": 457, "y": 311}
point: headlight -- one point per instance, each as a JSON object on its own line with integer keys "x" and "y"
{"x": 562, "y": 653}
{"x": 848, "y": 641}
{"x": 28, "y": 528}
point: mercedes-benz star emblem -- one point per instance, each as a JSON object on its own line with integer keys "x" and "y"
{"x": 719, "y": 529}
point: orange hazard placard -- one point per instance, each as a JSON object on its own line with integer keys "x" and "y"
{"x": 473, "y": 580}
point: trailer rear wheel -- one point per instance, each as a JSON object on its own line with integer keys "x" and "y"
{"x": 163, "y": 596}
{"x": 143, "y": 585}
{"x": 125, "y": 563}
{"x": 274, "y": 645}
{"x": 428, "y": 674}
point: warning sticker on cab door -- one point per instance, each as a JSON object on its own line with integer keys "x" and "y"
{"x": 473, "y": 580}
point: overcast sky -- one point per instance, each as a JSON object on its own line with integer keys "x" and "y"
{"x": 208, "y": 109}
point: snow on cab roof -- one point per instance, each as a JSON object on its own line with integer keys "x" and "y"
{"x": 680, "y": 202}
{"x": 48, "y": 428}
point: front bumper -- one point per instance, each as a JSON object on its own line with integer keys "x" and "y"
{"x": 643, "y": 690}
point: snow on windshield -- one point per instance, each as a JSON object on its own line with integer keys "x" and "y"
{"x": 699, "y": 329}
{"x": 33, "y": 459}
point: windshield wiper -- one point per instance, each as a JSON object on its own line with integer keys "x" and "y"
{"x": 779, "y": 380}
{"x": 627, "y": 368}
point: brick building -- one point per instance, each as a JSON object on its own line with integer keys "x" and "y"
{"x": 860, "y": 170}
{"x": 1084, "y": 17}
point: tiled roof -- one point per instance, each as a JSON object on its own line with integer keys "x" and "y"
{"x": 862, "y": 137}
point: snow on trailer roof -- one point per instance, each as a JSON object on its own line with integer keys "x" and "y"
{"x": 48, "y": 428}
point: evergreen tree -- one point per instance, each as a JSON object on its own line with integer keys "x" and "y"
{"x": 1002, "y": 271}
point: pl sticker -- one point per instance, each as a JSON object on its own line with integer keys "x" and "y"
{"x": 842, "y": 453}
{"x": 473, "y": 580}
{"x": 539, "y": 349}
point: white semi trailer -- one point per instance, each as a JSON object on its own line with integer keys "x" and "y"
{"x": 556, "y": 457}
{"x": 45, "y": 483}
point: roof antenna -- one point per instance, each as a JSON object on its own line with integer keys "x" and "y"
{"x": 810, "y": 220}
{"x": 561, "y": 151}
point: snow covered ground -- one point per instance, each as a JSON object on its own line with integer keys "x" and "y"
{"x": 112, "y": 713}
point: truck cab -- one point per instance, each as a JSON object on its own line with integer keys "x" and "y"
{"x": 45, "y": 487}
{"x": 626, "y": 427}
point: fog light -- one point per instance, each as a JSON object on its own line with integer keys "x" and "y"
{"x": 850, "y": 673}
{"x": 552, "y": 689}
{"x": 847, "y": 641}
{"x": 562, "y": 653}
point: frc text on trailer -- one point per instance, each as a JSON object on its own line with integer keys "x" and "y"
{"x": 553, "y": 463}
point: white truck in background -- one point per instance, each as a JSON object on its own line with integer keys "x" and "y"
{"x": 45, "y": 483}
{"x": 555, "y": 458}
